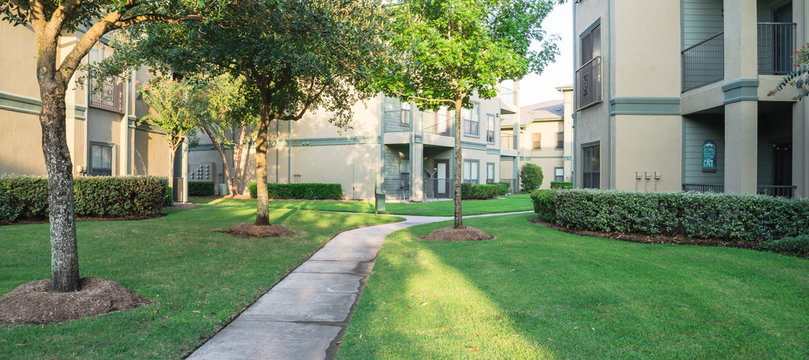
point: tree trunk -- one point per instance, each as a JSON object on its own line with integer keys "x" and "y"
{"x": 458, "y": 163}
{"x": 225, "y": 163}
{"x": 174, "y": 193}
{"x": 263, "y": 203}
{"x": 237, "y": 178}
{"x": 64, "y": 250}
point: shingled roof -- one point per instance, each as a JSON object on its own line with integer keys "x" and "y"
{"x": 545, "y": 110}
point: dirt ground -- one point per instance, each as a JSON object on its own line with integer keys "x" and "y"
{"x": 253, "y": 231}
{"x": 467, "y": 233}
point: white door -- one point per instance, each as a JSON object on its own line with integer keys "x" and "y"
{"x": 442, "y": 178}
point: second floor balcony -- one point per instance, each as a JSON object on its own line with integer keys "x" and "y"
{"x": 704, "y": 62}
{"x": 508, "y": 141}
{"x": 588, "y": 83}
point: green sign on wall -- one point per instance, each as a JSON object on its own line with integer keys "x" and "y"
{"x": 709, "y": 156}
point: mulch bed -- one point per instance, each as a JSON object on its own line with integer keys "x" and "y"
{"x": 648, "y": 239}
{"x": 467, "y": 233}
{"x": 36, "y": 303}
{"x": 253, "y": 231}
{"x": 181, "y": 206}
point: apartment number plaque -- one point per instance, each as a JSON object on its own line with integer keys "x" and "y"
{"x": 709, "y": 156}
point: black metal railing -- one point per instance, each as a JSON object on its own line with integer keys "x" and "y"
{"x": 777, "y": 190}
{"x": 508, "y": 141}
{"x": 490, "y": 136}
{"x": 397, "y": 120}
{"x": 715, "y": 188}
{"x": 776, "y": 43}
{"x": 106, "y": 95}
{"x": 397, "y": 188}
{"x": 435, "y": 188}
{"x": 588, "y": 83}
{"x": 704, "y": 62}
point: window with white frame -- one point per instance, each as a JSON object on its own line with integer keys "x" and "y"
{"x": 471, "y": 121}
{"x": 490, "y": 128}
{"x": 558, "y": 174}
{"x": 471, "y": 171}
{"x": 490, "y": 173}
{"x": 100, "y": 160}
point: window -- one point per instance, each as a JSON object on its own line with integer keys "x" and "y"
{"x": 591, "y": 44}
{"x": 588, "y": 75}
{"x": 471, "y": 121}
{"x": 490, "y": 173}
{"x": 405, "y": 114}
{"x": 471, "y": 172}
{"x": 591, "y": 161}
{"x": 490, "y": 128}
{"x": 438, "y": 122}
{"x": 537, "y": 137}
{"x": 560, "y": 140}
{"x": 100, "y": 160}
{"x": 558, "y": 174}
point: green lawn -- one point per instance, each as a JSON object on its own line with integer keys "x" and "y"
{"x": 515, "y": 202}
{"x": 533, "y": 293}
{"x": 200, "y": 278}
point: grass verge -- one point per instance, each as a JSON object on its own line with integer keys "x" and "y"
{"x": 511, "y": 203}
{"x": 533, "y": 292}
{"x": 200, "y": 278}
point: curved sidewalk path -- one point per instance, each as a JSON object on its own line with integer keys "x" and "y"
{"x": 306, "y": 313}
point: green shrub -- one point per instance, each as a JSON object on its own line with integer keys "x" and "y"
{"x": 169, "y": 199}
{"x": 798, "y": 246}
{"x": 502, "y": 188}
{"x": 726, "y": 217}
{"x": 200, "y": 188}
{"x": 561, "y": 185}
{"x": 310, "y": 191}
{"x": 26, "y": 197}
{"x": 481, "y": 191}
{"x": 530, "y": 177}
{"x": 544, "y": 203}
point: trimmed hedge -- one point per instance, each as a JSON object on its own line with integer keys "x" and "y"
{"x": 530, "y": 177}
{"x": 481, "y": 191}
{"x": 726, "y": 217}
{"x": 798, "y": 246}
{"x": 200, "y": 188}
{"x": 561, "y": 185}
{"x": 310, "y": 191}
{"x": 544, "y": 203}
{"x": 26, "y": 197}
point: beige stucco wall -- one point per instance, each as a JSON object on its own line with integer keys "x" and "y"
{"x": 20, "y": 144}
{"x": 19, "y": 68}
{"x": 653, "y": 68}
{"x": 150, "y": 154}
{"x": 648, "y": 144}
{"x": 315, "y": 123}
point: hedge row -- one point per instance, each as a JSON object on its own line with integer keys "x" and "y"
{"x": 200, "y": 188}
{"x": 561, "y": 184}
{"x": 483, "y": 191}
{"x": 311, "y": 191}
{"x": 726, "y": 217}
{"x": 26, "y": 197}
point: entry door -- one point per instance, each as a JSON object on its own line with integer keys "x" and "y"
{"x": 782, "y": 164}
{"x": 442, "y": 178}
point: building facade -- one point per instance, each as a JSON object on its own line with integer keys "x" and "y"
{"x": 546, "y": 137}
{"x": 673, "y": 95}
{"x": 102, "y": 132}
{"x": 393, "y": 148}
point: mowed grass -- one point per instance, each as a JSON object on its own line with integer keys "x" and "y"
{"x": 536, "y": 293}
{"x": 200, "y": 278}
{"x": 510, "y": 203}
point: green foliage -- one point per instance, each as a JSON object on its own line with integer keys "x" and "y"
{"x": 480, "y": 191}
{"x": 201, "y": 188}
{"x": 502, "y": 188}
{"x": 530, "y": 177}
{"x": 545, "y": 203}
{"x": 798, "y": 77}
{"x": 26, "y": 197}
{"x": 561, "y": 185}
{"x": 175, "y": 107}
{"x": 169, "y": 197}
{"x": 726, "y": 217}
{"x": 310, "y": 191}
{"x": 798, "y": 246}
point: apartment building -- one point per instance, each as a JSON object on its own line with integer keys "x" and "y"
{"x": 546, "y": 137}
{"x": 393, "y": 148}
{"x": 673, "y": 95}
{"x": 102, "y": 131}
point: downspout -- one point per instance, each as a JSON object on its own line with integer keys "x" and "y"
{"x": 289, "y": 152}
{"x": 574, "y": 163}
{"x": 610, "y": 122}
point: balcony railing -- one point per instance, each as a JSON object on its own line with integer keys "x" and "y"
{"x": 507, "y": 94}
{"x": 777, "y": 190}
{"x": 704, "y": 62}
{"x": 435, "y": 188}
{"x": 776, "y": 43}
{"x": 704, "y": 188}
{"x": 397, "y": 188}
{"x": 588, "y": 83}
{"x": 397, "y": 120}
{"x": 107, "y": 95}
{"x": 508, "y": 141}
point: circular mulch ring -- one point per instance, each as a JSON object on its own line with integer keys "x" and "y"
{"x": 253, "y": 231}
{"x": 36, "y": 303}
{"x": 467, "y": 233}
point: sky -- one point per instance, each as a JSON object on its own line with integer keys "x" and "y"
{"x": 538, "y": 88}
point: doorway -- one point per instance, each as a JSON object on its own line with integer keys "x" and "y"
{"x": 442, "y": 178}
{"x": 782, "y": 164}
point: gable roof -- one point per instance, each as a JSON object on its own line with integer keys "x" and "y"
{"x": 551, "y": 109}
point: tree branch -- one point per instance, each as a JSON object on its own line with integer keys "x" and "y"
{"x": 61, "y": 13}
{"x": 310, "y": 98}
{"x": 156, "y": 18}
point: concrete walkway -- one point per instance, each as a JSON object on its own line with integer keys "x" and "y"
{"x": 304, "y": 315}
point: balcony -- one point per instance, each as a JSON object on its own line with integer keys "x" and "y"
{"x": 588, "y": 83}
{"x": 438, "y": 123}
{"x": 508, "y": 141}
{"x": 704, "y": 62}
{"x": 107, "y": 95}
